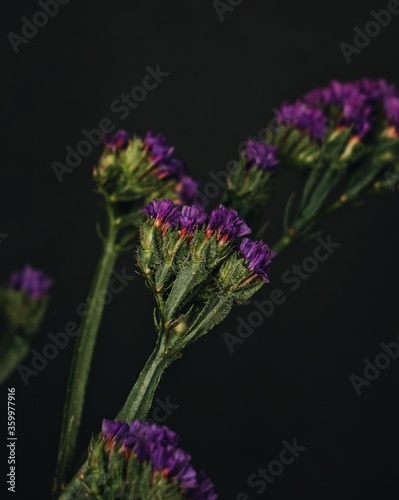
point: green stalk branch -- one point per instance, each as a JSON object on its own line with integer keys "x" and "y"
{"x": 83, "y": 353}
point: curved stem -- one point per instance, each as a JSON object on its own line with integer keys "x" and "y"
{"x": 82, "y": 356}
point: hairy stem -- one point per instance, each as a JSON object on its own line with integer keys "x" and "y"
{"x": 82, "y": 356}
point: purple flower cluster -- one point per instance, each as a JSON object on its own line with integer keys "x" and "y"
{"x": 119, "y": 140}
{"x": 158, "y": 445}
{"x": 32, "y": 281}
{"x": 163, "y": 159}
{"x": 258, "y": 256}
{"x": 225, "y": 222}
{"x": 356, "y": 102}
{"x": 261, "y": 154}
{"x": 305, "y": 118}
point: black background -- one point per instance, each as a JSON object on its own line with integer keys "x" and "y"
{"x": 290, "y": 379}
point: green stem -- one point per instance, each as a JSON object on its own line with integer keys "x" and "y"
{"x": 140, "y": 399}
{"x": 82, "y": 356}
{"x": 13, "y": 349}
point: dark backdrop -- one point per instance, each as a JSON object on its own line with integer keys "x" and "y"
{"x": 290, "y": 379}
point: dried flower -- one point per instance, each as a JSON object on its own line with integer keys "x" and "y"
{"x": 227, "y": 224}
{"x": 158, "y": 446}
{"x": 258, "y": 256}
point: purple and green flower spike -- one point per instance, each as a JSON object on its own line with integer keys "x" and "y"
{"x": 139, "y": 460}
{"x": 251, "y": 183}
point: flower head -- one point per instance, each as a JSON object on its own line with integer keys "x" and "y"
{"x": 192, "y": 217}
{"x": 258, "y": 256}
{"x": 304, "y": 117}
{"x": 261, "y": 154}
{"x": 227, "y": 224}
{"x": 164, "y": 212}
{"x": 355, "y": 100}
{"x": 119, "y": 140}
{"x": 158, "y": 446}
{"x": 32, "y": 281}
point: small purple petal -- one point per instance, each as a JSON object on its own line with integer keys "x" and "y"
{"x": 32, "y": 281}
{"x": 192, "y": 217}
{"x": 164, "y": 212}
{"x": 227, "y": 223}
{"x": 114, "y": 430}
{"x": 119, "y": 140}
{"x": 258, "y": 255}
{"x": 158, "y": 147}
{"x": 187, "y": 189}
{"x": 261, "y": 154}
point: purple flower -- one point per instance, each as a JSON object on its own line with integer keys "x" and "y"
{"x": 187, "y": 189}
{"x": 32, "y": 281}
{"x": 357, "y": 113}
{"x": 164, "y": 212}
{"x": 259, "y": 257}
{"x": 158, "y": 147}
{"x": 119, "y": 140}
{"x": 261, "y": 154}
{"x": 192, "y": 217}
{"x": 391, "y": 105}
{"x": 114, "y": 431}
{"x": 227, "y": 223}
{"x": 305, "y": 118}
{"x": 162, "y": 155}
{"x": 158, "y": 445}
{"x": 375, "y": 90}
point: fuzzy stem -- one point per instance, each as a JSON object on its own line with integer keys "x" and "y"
{"x": 82, "y": 356}
{"x": 140, "y": 399}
